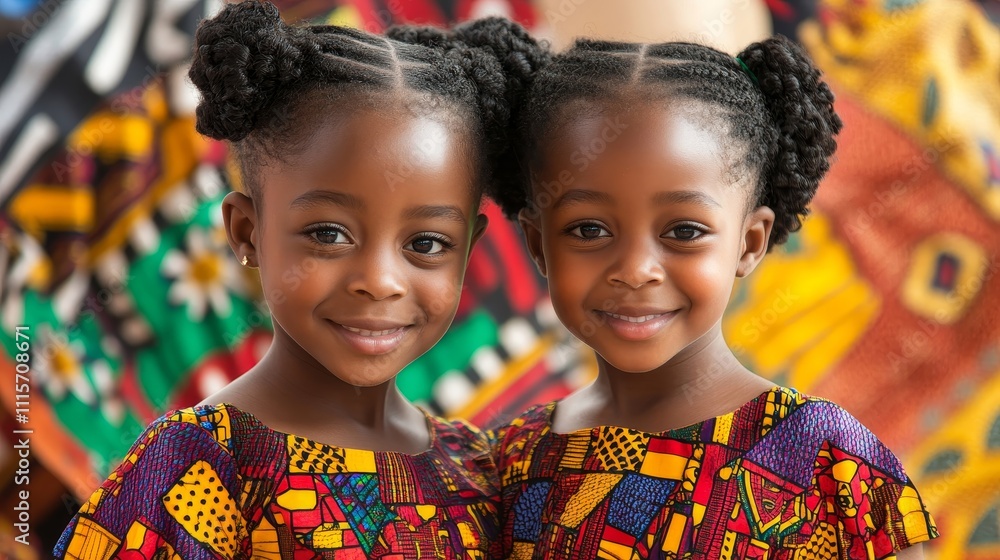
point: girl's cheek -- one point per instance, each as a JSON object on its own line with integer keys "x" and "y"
{"x": 707, "y": 280}
{"x": 442, "y": 295}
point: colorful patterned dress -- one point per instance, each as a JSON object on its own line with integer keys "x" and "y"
{"x": 785, "y": 476}
{"x": 214, "y": 482}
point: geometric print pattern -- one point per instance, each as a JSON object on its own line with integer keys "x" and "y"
{"x": 726, "y": 488}
{"x": 311, "y": 457}
{"x": 214, "y": 482}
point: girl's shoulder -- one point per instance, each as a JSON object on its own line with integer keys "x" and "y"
{"x": 178, "y": 428}
{"x": 789, "y": 412}
{"x": 468, "y": 454}
{"x": 213, "y": 419}
{"x": 523, "y": 431}
{"x": 458, "y": 432}
{"x": 187, "y": 461}
{"x": 536, "y": 418}
{"x": 233, "y": 439}
{"x": 222, "y": 423}
{"x": 792, "y": 430}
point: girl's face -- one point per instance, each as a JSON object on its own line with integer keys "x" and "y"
{"x": 362, "y": 242}
{"x": 641, "y": 231}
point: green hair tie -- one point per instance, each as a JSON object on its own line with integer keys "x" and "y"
{"x": 747, "y": 70}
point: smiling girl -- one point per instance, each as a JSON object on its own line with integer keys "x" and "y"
{"x": 658, "y": 175}
{"x": 363, "y": 160}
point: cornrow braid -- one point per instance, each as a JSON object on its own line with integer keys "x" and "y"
{"x": 260, "y": 78}
{"x": 780, "y": 111}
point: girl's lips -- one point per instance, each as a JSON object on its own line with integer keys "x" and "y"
{"x": 636, "y": 327}
{"x": 364, "y": 332}
{"x": 369, "y": 341}
{"x": 634, "y": 319}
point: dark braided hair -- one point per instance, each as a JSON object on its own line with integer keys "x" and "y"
{"x": 778, "y": 110}
{"x": 262, "y": 81}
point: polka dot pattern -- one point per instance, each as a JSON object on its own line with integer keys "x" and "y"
{"x": 203, "y": 506}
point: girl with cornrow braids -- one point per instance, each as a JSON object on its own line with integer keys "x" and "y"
{"x": 654, "y": 176}
{"x": 363, "y": 160}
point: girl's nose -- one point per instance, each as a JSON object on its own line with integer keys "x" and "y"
{"x": 639, "y": 263}
{"x": 378, "y": 276}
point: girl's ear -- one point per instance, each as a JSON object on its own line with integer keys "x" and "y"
{"x": 756, "y": 232}
{"x": 478, "y": 229}
{"x": 240, "y": 218}
{"x": 532, "y": 227}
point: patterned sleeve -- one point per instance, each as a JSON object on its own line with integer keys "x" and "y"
{"x": 862, "y": 497}
{"x": 173, "y": 494}
{"x": 528, "y": 425}
{"x": 479, "y": 446}
{"x": 494, "y": 436}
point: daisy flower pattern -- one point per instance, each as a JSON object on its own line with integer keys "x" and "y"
{"x": 59, "y": 367}
{"x": 203, "y": 276}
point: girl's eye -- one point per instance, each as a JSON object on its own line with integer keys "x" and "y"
{"x": 590, "y": 231}
{"x": 430, "y": 245}
{"x": 685, "y": 233}
{"x": 328, "y": 235}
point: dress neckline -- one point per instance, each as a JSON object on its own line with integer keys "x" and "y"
{"x": 550, "y": 409}
{"x": 431, "y": 421}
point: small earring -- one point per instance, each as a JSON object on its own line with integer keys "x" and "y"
{"x": 244, "y": 260}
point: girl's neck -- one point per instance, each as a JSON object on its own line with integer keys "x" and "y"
{"x": 703, "y": 381}
{"x": 291, "y": 392}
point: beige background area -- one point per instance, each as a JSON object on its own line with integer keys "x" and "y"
{"x": 728, "y": 25}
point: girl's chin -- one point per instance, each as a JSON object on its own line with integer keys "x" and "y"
{"x": 629, "y": 364}
{"x": 366, "y": 382}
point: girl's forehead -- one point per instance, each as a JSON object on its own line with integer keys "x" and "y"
{"x": 389, "y": 112}
{"x": 603, "y": 130}
{"x": 636, "y": 102}
{"x": 383, "y": 155}
{"x": 398, "y": 136}
{"x": 337, "y": 111}
{"x": 638, "y": 150}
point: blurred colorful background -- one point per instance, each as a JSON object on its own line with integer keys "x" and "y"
{"x": 112, "y": 254}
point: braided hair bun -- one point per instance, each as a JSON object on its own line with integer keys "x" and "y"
{"x": 242, "y": 58}
{"x": 801, "y": 107}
